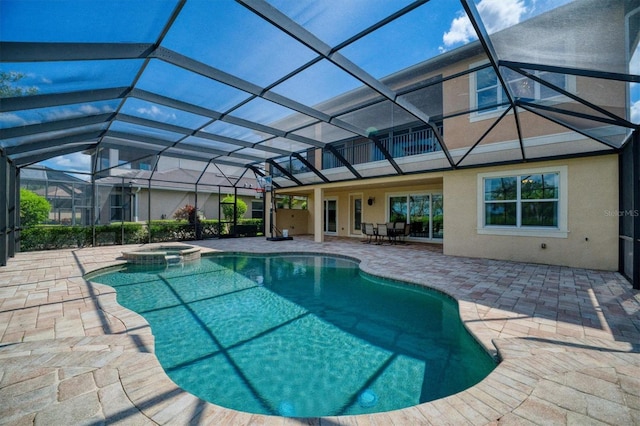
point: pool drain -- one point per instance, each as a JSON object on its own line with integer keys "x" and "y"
{"x": 368, "y": 398}
{"x": 285, "y": 408}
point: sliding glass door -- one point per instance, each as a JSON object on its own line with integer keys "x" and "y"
{"x": 423, "y": 213}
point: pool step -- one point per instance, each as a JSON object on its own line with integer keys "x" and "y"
{"x": 173, "y": 259}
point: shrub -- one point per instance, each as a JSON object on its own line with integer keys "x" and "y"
{"x": 47, "y": 237}
{"x": 34, "y": 209}
{"x": 188, "y": 212}
{"x": 227, "y": 207}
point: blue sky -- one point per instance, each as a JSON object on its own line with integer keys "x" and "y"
{"x": 223, "y": 34}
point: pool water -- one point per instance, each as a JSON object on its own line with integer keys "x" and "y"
{"x": 300, "y": 335}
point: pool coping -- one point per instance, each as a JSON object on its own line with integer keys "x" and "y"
{"x": 532, "y": 368}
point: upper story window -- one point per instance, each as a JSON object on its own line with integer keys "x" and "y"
{"x": 490, "y": 97}
{"x": 489, "y": 94}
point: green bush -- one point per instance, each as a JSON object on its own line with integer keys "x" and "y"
{"x": 133, "y": 233}
{"x": 211, "y": 228}
{"x": 48, "y": 237}
{"x": 34, "y": 209}
{"x": 227, "y": 209}
{"x": 171, "y": 230}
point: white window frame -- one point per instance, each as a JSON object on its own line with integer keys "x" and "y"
{"x": 324, "y": 216}
{"x": 570, "y": 83}
{"x": 352, "y": 197}
{"x": 389, "y": 195}
{"x": 561, "y": 231}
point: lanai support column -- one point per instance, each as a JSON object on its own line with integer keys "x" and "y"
{"x": 636, "y": 212}
{"x": 268, "y": 216}
{"x": 318, "y": 215}
{"x": 629, "y": 211}
{"x": 4, "y": 209}
{"x": 13, "y": 208}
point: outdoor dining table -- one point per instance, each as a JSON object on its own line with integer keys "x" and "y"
{"x": 381, "y": 231}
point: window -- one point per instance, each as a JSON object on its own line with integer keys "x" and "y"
{"x": 490, "y": 97}
{"x": 116, "y": 207}
{"x": 257, "y": 209}
{"x": 488, "y": 91}
{"x": 525, "y": 202}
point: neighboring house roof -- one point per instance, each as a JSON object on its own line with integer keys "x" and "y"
{"x": 52, "y": 183}
{"x": 42, "y": 173}
{"x": 178, "y": 179}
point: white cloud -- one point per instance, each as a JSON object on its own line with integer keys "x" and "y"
{"x": 635, "y": 112}
{"x": 38, "y": 78}
{"x": 11, "y": 120}
{"x": 89, "y": 110}
{"x": 634, "y": 62}
{"x": 63, "y": 113}
{"x": 72, "y": 112}
{"x": 461, "y": 31}
{"x": 495, "y": 14}
{"x": 156, "y": 113}
{"x": 75, "y": 162}
{"x": 500, "y": 14}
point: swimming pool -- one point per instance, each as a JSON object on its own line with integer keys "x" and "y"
{"x": 301, "y": 335}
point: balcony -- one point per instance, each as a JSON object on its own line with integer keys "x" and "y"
{"x": 407, "y": 143}
{"x": 414, "y": 142}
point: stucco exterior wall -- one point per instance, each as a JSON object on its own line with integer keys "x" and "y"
{"x": 296, "y": 221}
{"x": 166, "y": 202}
{"x": 461, "y": 131}
{"x": 592, "y": 238}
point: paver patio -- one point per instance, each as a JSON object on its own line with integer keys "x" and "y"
{"x": 568, "y": 339}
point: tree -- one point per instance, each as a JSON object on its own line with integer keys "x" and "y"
{"x": 34, "y": 209}
{"x": 9, "y": 87}
{"x": 227, "y": 207}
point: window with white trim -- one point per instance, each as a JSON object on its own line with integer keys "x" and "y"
{"x": 522, "y": 201}
{"x": 490, "y": 97}
{"x": 528, "y": 202}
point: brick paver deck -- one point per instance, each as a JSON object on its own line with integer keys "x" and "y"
{"x": 568, "y": 340}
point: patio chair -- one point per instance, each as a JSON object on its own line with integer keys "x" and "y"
{"x": 369, "y": 231}
{"x": 401, "y": 231}
{"x": 392, "y": 232}
{"x": 383, "y": 232}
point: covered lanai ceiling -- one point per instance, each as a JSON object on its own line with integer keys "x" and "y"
{"x": 240, "y": 84}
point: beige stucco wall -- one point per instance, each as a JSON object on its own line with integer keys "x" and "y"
{"x": 592, "y": 228}
{"x": 462, "y": 132}
{"x": 294, "y": 220}
{"x": 166, "y": 202}
{"x": 592, "y": 241}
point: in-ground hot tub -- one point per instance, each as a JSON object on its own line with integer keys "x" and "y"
{"x": 163, "y": 255}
